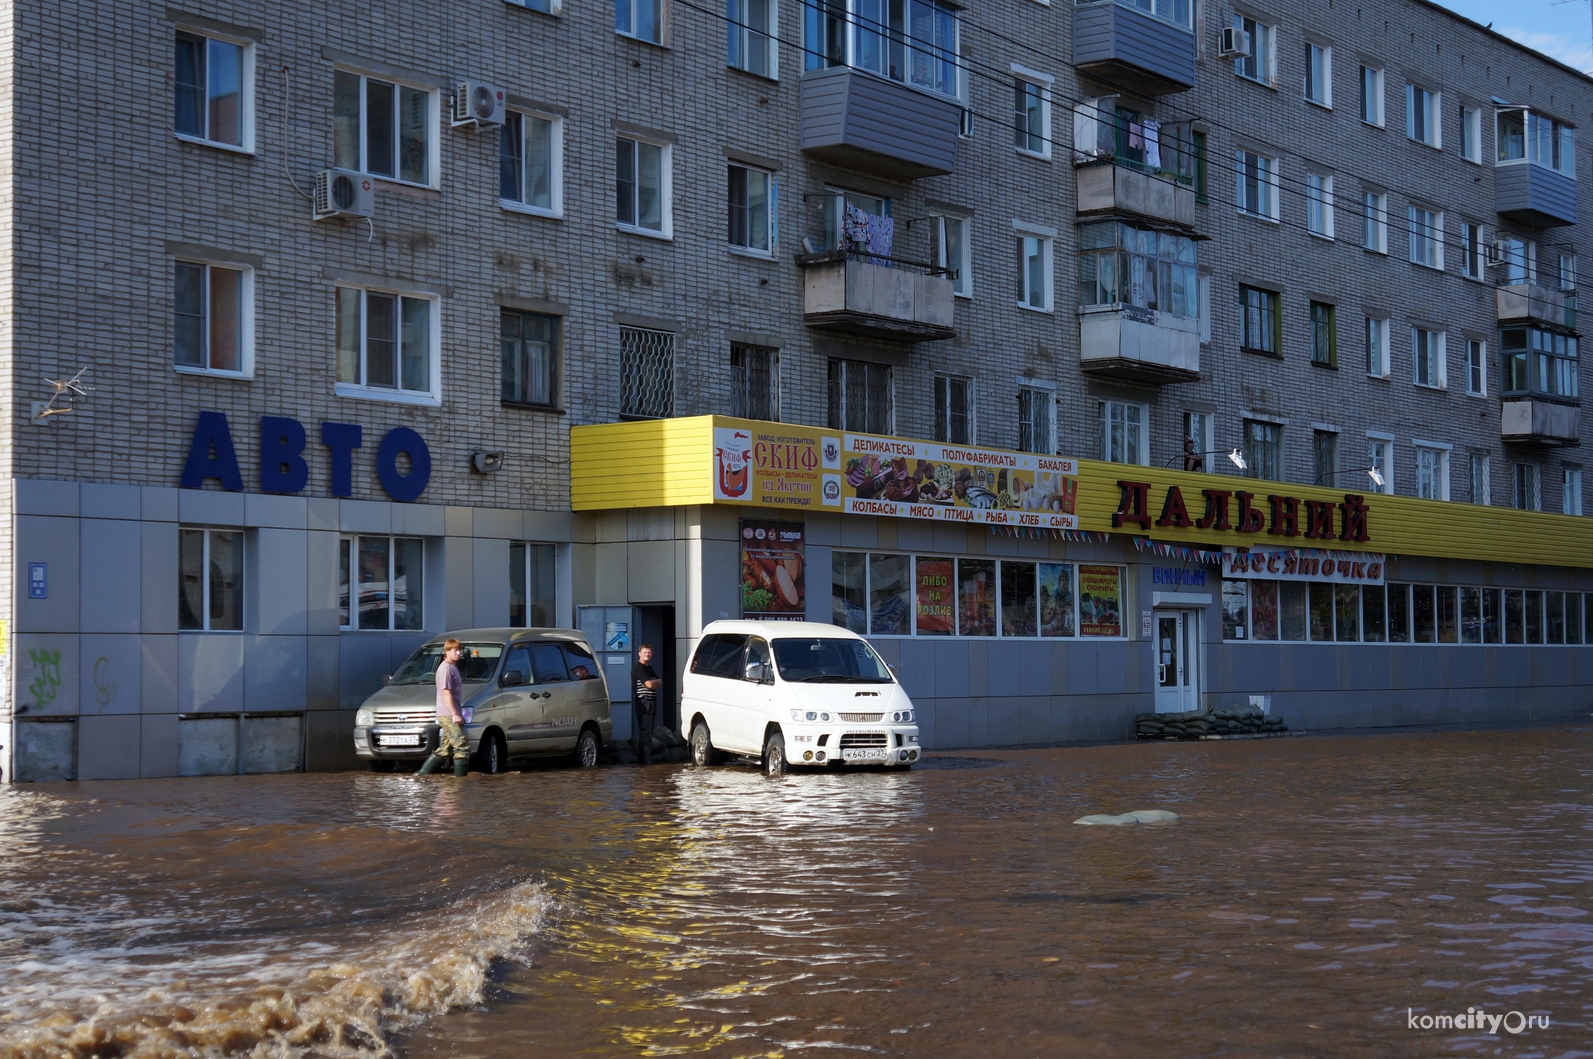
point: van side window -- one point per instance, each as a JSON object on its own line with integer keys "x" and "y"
{"x": 757, "y": 651}
{"x": 520, "y": 659}
{"x": 582, "y": 665}
{"x": 719, "y": 656}
{"x": 548, "y": 661}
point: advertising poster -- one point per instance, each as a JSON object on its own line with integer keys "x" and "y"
{"x": 1056, "y": 599}
{"x": 937, "y": 614}
{"x": 1100, "y": 601}
{"x": 772, "y": 464}
{"x": 976, "y": 584}
{"x": 771, "y": 570}
{"x": 957, "y": 483}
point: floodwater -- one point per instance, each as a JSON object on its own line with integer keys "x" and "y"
{"x": 1316, "y": 896}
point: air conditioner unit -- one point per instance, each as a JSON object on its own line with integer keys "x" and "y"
{"x": 1233, "y": 43}
{"x": 478, "y": 104}
{"x": 1498, "y": 253}
{"x": 343, "y": 193}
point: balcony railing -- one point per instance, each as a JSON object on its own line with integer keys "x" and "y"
{"x": 1141, "y": 345}
{"x": 1530, "y": 301}
{"x": 1532, "y": 420}
{"x": 876, "y": 296}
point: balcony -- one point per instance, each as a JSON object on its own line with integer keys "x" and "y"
{"x": 1120, "y": 43}
{"x": 1106, "y": 187}
{"x": 876, "y": 297}
{"x": 1141, "y": 345}
{"x": 863, "y": 121}
{"x": 1528, "y": 301}
{"x": 1535, "y": 421}
{"x": 1534, "y": 194}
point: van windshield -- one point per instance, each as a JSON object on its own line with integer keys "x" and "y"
{"x": 821, "y": 660}
{"x": 476, "y": 664}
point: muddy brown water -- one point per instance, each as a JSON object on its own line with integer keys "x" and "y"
{"x": 1316, "y": 895}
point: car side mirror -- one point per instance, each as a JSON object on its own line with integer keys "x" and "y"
{"x": 513, "y": 678}
{"x": 387, "y": 679}
{"x": 768, "y": 674}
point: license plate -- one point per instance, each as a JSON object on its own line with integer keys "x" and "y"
{"x": 398, "y": 740}
{"x": 864, "y": 755}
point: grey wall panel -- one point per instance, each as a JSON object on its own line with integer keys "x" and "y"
{"x": 280, "y": 593}
{"x": 52, "y": 541}
{"x": 111, "y": 586}
{"x": 276, "y": 673}
{"x": 364, "y": 658}
{"x": 110, "y": 673}
{"x": 211, "y": 665}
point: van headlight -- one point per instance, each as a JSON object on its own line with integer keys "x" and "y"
{"x": 902, "y": 716}
{"x": 364, "y": 719}
{"x": 824, "y": 717}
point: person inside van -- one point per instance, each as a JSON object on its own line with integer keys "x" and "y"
{"x": 645, "y": 682}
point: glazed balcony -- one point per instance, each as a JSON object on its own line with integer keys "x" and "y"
{"x": 1538, "y": 421}
{"x": 877, "y": 297}
{"x": 1125, "y": 43}
{"x": 860, "y": 120}
{"x": 1140, "y": 345}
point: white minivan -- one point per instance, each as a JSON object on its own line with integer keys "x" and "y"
{"x": 794, "y": 693}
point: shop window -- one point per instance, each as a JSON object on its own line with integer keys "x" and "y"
{"x": 1515, "y": 624}
{"x": 210, "y": 580}
{"x": 1422, "y": 610}
{"x": 1100, "y": 601}
{"x": 849, "y": 591}
{"x": 1573, "y": 617}
{"x": 976, "y": 597}
{"x": 386, "y": 575}
{"x": 1374, "y": 614}
{"x": 1347, "y": 613}
{"x": 1264, "y": 610}
{"x": 1554, "y": 617}
{"x": 1018, "y": 603}
{"x": 890, "y": 612}
{"x": 1291, "y": 610}
{"x": 1471, "y": 615}
{"x": 1235, "y": 609}
{"x": 1532, "y": 605}
{"x": 935, "y": 587}
{"x": 1056, "y": 599}
{"x": 1399, "y": 614}
{"x": 531, "y": 591}
{"x": 1320, "y": 599}
{"x": 1492, "y": 616}
{"x": 1448, "y": 617}
{"x": 870, "y": 594}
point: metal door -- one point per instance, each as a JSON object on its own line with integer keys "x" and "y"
{"x": 1177, "y": 651}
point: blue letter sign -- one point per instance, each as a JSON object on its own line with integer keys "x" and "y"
{"x": 403, "y": 487}
{"x": 211, "y": 433}
{"x": 282, "y": 467}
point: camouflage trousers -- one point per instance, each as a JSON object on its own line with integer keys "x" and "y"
{"x": 451, "y": 741}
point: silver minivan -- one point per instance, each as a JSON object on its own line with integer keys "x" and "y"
{"x": 528, "y": 693}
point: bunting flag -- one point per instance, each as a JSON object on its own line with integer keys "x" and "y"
{"x": 1178, "y": 551}
{"x": 1076, "y": 536}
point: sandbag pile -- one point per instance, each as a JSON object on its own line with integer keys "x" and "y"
{"x": 1207, "y": 724}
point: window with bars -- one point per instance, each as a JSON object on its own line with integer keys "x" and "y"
{"x": 1526, "y": 487}
{"x": 1263, "y": 450}
{"x": 380, "y": 582}
{"x": 861, "y": 397}
{"x": 1481, "y": 487}
{"x": 1324, "y": 335}
{"x": 1036, "y": 420}
{"x": 529, "y": 348}
{"x": 954, "y": 413}
{"x": 647, "y": 373}
{"x": 754, "y": 382}
{"x": 1258, "y": 321}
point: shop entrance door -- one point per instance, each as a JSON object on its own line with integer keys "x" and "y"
{"x": 1177, "y": 660}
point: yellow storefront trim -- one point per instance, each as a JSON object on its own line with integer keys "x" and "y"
{"x": 670, "y": 463}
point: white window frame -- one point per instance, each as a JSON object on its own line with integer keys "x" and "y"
{"x": 1523, "y": 260}
{"x": 551, "y": 7}
{"x": 1432, "y": 115}
{"x": 771, "y": 219}
{"x": 1566, "y": 271}
{"x": 556, "y": 161}
{"x": 1047, "y": 238}
{"x": 948, "y": 379}
{"x": 962, "y": 285}
{"x": 1432, "y": 482}
{"x": 1204, "y": 434}
{"x": 1377, "y": 341}
{"x": 1426, "y": 230}
{"x": 351, "y": 541}
{"x": 1476, "y": 368}
{"x": 1481, "y": 475}
{"x": 1571, "y": 491}
{"x": 1266, "y": 180}
{"x": 1440, "y": 367}
{"x": 630, "y": 13}
{"x": 1374, "y": 221}
{"x": 1471, "y": 134}
{"x": 1372, "y": 97}
{"x": 433, "y": 128}
{"x": 666, "y": 191}
{"x": 246, "y": 90}
{"x": 1380, "y": 454}
{"x": 1022, "y": 75}
{"x": 1319, "y": 204}
{"x": 245, "y": 320}
{"x": 431, "y": 397}
{"x": 1141, "y": 415}
{"x": 1045, "y": 394}
{"x": 1324, "y": 95}
{"x": 771, "y": 39}
{"x": 204, "y": 566}
{"x": 1473, "y": 249}
{"x": 1263, "y": 50}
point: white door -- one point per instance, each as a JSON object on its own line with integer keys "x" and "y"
{"x": 1177, "y": 659}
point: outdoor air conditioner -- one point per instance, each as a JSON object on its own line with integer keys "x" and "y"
{"x": 1233, "y": 43}
{"x": 478, "y": 104}
{"x": 343, "y": 193}
{"x": 1498, "y": 252}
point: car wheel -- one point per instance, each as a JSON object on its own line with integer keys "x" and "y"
{"x": 493, "y": 757}
{"x": 703, "y": 753}
{"x": 587, "y": 749}
{"x": 774, "y": 755}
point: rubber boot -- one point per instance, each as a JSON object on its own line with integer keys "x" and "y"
{"x": 461, "y": 765}
{"x": 432, "y": 764}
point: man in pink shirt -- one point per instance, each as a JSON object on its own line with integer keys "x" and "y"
{"x": 450, "y": 714}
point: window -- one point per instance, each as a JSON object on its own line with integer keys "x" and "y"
{"x": 915, "y": 42}
{"x": 1175, "y": 11}
{"x": 1257, "y": 192}
{"x": 1120, "y": 264}
{"x": 1471, "y": 134}
{"x": 530, "y": 163}
{"x": 1197, "y": 150}
{"x": 213, "y": 100}
{"x": 642, "y": 186}
{"x": 1426, "y": 237}
{"x": 1036, "y": 420}
{"x": 1198, "y": 430}
{"x": 1571, "y": 491}
{"x": 1325, "y": 457}
{"x": 750, "y": 46}
{"x": 1567, "y": 271}
{"x": 1432, "y": 472}
{"x": 954, "y": 409}
{"x": 547, "y": 7}
{"x": 1324, "y": 335}
{"x": 529, "y": 348}
{"x": 383, "y": 128}
{"x": 1427, "y": 358}
{"x": 210, "y": 580}
{"x": 212, "y": 318}
{"x": 752, "y": 209}
{"x": 1319, "y": 204}
{"x": 755, "y": 382}
{"x": 1422, "y": 108}
{"x": 922, "y": 595}
{"x": 1034, "y": 271}
{"x": 1476, "y": 368}
{"x": 388, "y": 575}
{"x": 1481, "y": 487}
{"x": 953, "y": 253}
{"x": 1031, "y": 127}
{"x": 1123, "y": 432}
{"x": 1524, "y": 136}
{"x": 384, "y": 345}
{"x": 1539, "y": 361}
{"x": 642, "y": 19}
{"x": 1257, "y": 66}
{"x": 1374, "y": 221}
{"x": 1377, "y": 347}
{"x": 647, "y": 373}
{"x": 1526, "y": 492}
{"x": 1258, "y": 321}
{"x": 1319, "y": 75}
{"x": 1473, "y": 249}
{"x": 1380, "y": 457}
{"x": 1263, "y": 450}
{"x": 531, "y": 586}
{"x": 1519, "y": 257}
{"x": 1372, "y": 96}
{"x": 860, "y": 397}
